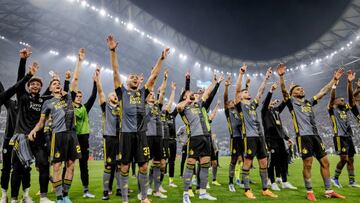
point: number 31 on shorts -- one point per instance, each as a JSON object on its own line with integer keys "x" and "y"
{"x": 146, "y": 151}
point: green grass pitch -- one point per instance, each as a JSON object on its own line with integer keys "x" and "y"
{"x": 221, "y": 192}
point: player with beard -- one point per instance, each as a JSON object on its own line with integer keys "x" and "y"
{"x": 83, "y": 130}
{"x": 308, "y": 140}
{"x": 154, "y": 135}
{"x": 193, "y": 111}
{"x": 29, "y": 109}
{"x": 133, "y": 143}
{"x": 343, "y": 142}
{"x": 236, "y": 139}
{"x": 12, "y": 110}
{"x": 254, "y": 140}
{"x": 275, "y": 136}
{"x": 64, "y": 143}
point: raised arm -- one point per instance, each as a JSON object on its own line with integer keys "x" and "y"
{"x": 90, "y": 102}
{"x": 247, "y": 85}
{"x": 268, "y": 97}
{"x": 172, "y": 97}
{"x": 263, "y": 84}
{"x": 187, "y": 80}
{"x": 156, "y": 70}
{"x": 187, "y": 86}
{"x": 7, "y": 94}
{"x": 209, "y": 98}
{"x": 226, "y": 91}
{"x": 281, "y": 72}
{"x": 112, "y": 45}
{"x": 99, "y": 88}
{"x": 328, "y": 86}
{"x": 162, "y": 88}
{"x": 332, "y": 97}
{"x": 75, "y": 81}
{"x": 351, "y": 77}
{"x": 24, "y": 54}
{"x": 239, "y": 82}
{"x": 214, "y": 111}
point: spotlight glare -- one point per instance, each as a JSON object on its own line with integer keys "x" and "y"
{"x": 130, "y": 26}
{"x": 83, "y": 3}
{"x": 117, "y": 19}
{"x": 102, "y": 12}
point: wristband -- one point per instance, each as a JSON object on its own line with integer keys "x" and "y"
{"x": 113, "y": 49}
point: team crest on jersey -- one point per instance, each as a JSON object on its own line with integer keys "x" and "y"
{"x": 191, "y": 152}
{"x": 322, "y": 146}
{"x": 138, "y": 94}
{"x": 41, "y": 100}
{"x": 4, "y": 151}
{"x": 304, "y": 151}
{"x": 249, "y": 151}
{"x": 57, "y": 154}
{"x": 343, "y": 149}
{"x": 108, "y": 160}
{"x": 234, "y": 151}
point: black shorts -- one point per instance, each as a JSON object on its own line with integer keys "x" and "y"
{"x": 255, "y": 146}
{"x": 111, "y": 149}
{"x": 199, "y": 146}
{"x": 64, "y": 147}
{"x": 155, "y": 144}
{"x": 237, "y": 146}
{"x": 344, "y": 146}
{"x": 133, "y": 146}
{"x": 311, "y": 145}
{"x": 166, "y": 149}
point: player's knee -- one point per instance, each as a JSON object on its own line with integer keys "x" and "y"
{"x": 205, "y": 165}
{"x": 191, "y": 161}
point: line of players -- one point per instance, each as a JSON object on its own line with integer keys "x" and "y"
{"x": 137, "y": 128}
{"x": 248, "y": 140}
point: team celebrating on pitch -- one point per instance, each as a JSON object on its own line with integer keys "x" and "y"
{"x": 138, "y": 127}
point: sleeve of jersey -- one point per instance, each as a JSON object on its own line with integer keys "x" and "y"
{"x": 45, "y": 110}
{"x": 146, "y": 91}
{"x": 314, "y": 101}
{"x": 289, "y": 104}
{"x": 73, "y": 95}
{"x": 119, "y": 92}
{"x": 102, "y": 106}
{"x": 238, "y": 107}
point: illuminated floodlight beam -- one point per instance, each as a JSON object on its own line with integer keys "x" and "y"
{"x": 130, "y": 26}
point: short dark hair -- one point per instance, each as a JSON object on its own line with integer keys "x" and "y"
{"x": 36, "y": 79}
{"x": 292, "y": 88}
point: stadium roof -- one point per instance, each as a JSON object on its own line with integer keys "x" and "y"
{"x": 66, "y": 26}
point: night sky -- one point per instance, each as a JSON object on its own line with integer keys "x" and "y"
{"x": 249, "y": 29}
